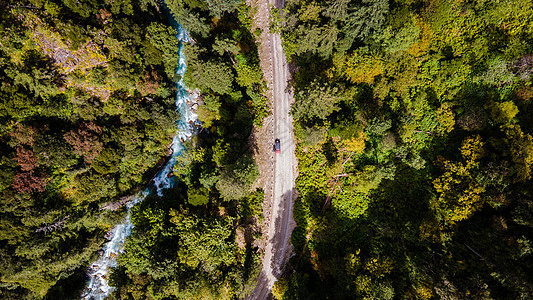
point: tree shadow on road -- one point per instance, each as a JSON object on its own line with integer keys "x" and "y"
{"x": 280, "y": 256}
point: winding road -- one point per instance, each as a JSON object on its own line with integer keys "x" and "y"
{"x": 281, "y": 222}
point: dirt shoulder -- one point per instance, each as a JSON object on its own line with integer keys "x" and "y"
{"x": 263, "y": 137}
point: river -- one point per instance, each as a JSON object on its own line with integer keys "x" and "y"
{"x": 98, "y": 288}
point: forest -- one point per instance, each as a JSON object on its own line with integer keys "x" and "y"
{"x": 414, "y": 127}
{"x": 87, "y": 117}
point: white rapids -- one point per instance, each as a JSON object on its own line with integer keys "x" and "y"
{"x": 98, "y": 287}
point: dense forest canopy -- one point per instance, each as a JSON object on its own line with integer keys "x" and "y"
{"x": 87, "y": 115}
{"x": 415, "y": 150}
{"x": 414, "y": 127}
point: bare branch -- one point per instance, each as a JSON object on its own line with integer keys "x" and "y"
{"x": 53, "y": 227}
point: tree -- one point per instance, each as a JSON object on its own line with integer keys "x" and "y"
{"x": 225, "y": 45}
{"x": 280, "y": 288}
{"x": 36, "y": 74}
{"x": 356, "y": 143}
{"x": 85, "y": 140}
{"x": 218, "y": 7}
{"x": 236, "y": 180}
{"x": 459, "y": 193}
{"x": 312, "y": 136}
{"x": 107, "y": 161}
{"x": 359, "y": 67}
{"x": 498, "y": 73}
{"x": 211, "y": 76}
{"x": 140, "y": 255}
{"x": 503, "y": 112}
{"x": 449, "y": 79}
{"x": 378, "y": 127}
{"x": 23, "y": 134}
{"x": 521, "y": 148}
{"x": 472, "y": 119}
{"x": 445, "y": 118}
{"x": 26, "y": 159}
{"x": 337, "y": 10}
{"x": 204, "y": 244}
{"x": 365, "y": 20}
{"x": 207, "y": 116}
{"x": 197, "y": 196}
{"x": 472, "y": 150}
{"x": 400, "y": 39}
{"x": 29, "y": 182}
{"x": 248, "y": 75}
{"x": 163, "y": 39}
{"x": 351, "y": 205}
{"x": 316, "y": 102}
{"x": 316, "y": 39}
{"x": 369, "y": 178}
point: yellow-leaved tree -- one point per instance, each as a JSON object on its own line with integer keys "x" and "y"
{"x": 445, "y": 118}
{"x": 358, "y": 67}
{"x": 280, "y": 287}
{"x": 356, "y": 143}
{"x": 309, "y": 12}
{"x": 459, "y": 195}
{"x": 502, "y": 112}
{"x": 521, "y": 148}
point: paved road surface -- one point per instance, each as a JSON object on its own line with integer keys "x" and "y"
{"x": 280, "y": 228}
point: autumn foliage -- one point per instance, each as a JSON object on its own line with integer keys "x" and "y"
{"x": 421, "y": 171}
{"x": 85, "y": 140}
{"x": 29, "y": 182}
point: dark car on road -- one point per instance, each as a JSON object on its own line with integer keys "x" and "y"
{"x": 277, "y": 146}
